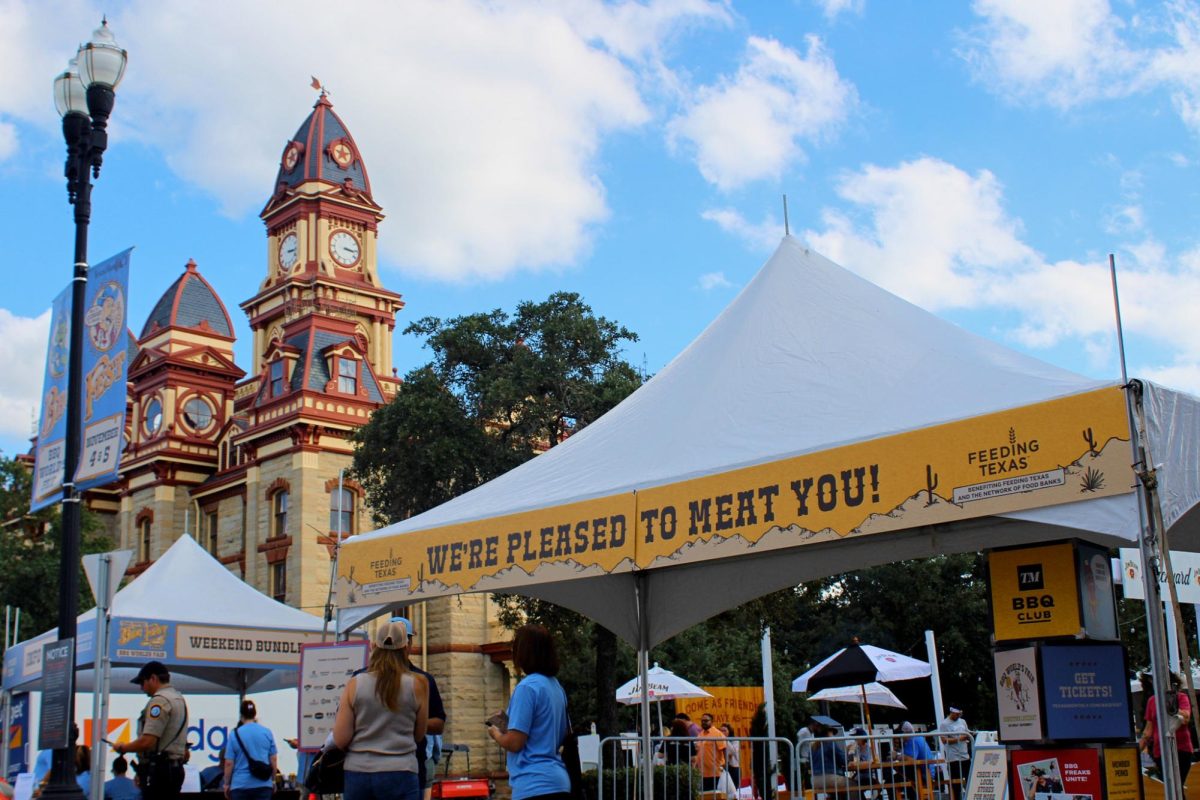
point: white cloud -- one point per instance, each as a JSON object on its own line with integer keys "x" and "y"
{"x": 834, "y": 8}
{"x": 714, "y": 280}
{"x": 1065, "y": 52}
{"x": 941, "y": 238}
{"x": 8, "y": 139}
{"x": 750, "y": 126}
{"x": 1071, "y": 52}
{"x": 480, "y": 122}
{"x": 23, "y": 352}
{"x": 762, "y": 236}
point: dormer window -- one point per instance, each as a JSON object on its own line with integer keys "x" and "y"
{"x": 347, "y": 376}
{"x": 277, "y": 378}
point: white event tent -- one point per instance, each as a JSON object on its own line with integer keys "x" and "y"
{"x": 216, "y": 633}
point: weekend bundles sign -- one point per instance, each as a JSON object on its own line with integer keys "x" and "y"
{"x": 240, "y": 645}
{"x": 1034, "y": 592}
{"x": 1018, "y": 695}
{"x": 991, "y": 464}
{"x": 1086, "y": 692}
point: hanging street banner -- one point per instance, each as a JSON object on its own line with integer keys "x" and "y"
{"x": 1059, "y": 451}
{"x": 105, "y": 372}
{"x": 103, "y": 395}
{"x": 52, "y": 425}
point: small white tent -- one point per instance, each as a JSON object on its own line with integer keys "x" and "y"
{"x": 810, "y": 374}
{"x": 190, "y": 612}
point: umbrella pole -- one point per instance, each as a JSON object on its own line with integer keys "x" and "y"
{"x": 867, "y": 712}
{"x": 643, "y": 611}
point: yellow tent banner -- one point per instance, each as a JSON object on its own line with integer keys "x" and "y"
{"x": 733, "y": 704}
{"x": 1059, "y": 451}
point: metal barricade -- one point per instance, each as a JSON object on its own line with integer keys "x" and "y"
{"x": 679, "y": 767}
{"x": 890, "y": 766}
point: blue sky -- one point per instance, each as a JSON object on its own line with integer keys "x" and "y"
{"x": 979, "y": 159}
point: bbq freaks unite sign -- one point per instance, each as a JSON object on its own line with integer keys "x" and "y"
{"x": 1059, "y": 451}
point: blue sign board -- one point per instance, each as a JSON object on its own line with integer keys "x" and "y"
{"x": 18, "y": 735}
{"x": 105, "y": 367}
{"x": 1086, "y": 692}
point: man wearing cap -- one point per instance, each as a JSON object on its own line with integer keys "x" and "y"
{"x": 804, "y": 741}
{"x": 427, "y": 762}
{"x": 956, "y": 740}
{"x": 161, "y": 744}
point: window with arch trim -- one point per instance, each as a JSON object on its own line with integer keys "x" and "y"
{"x": 143, "y": 549}
{"x": 279, "y": 512}
{"x": 341, "y": 512}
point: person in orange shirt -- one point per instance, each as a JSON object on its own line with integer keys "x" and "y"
{"x": 710, "y": 754}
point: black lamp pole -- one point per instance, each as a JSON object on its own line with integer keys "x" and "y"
{"x": 86, "y": 136}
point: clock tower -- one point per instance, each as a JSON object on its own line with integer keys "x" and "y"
{"x": 322, "y": 257}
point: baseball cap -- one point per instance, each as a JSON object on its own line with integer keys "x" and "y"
{"x": 954, "y": 710}
{"x": 391, "y": 636}
{"x": 825, "y": 722}
{"x": 406, "y": 623}
{"x": 155, "y": 668}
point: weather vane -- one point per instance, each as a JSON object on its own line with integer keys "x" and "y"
{"x": 316, "y": 84}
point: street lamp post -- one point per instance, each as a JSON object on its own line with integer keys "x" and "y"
{"x": 84, "y": 97}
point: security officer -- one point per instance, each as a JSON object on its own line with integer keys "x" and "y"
{"x": 161, "y": 744}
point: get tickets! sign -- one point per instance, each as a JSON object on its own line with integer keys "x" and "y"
{"x": 1059, "y": 451}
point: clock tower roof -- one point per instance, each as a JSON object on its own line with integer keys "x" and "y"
{"x": 323, "y": 150}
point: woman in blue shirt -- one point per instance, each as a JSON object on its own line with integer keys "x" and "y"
{"x": 249, "y": 740}
{"x": 537, "y": 721}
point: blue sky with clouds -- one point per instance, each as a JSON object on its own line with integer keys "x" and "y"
{"x": 979, "y": 159}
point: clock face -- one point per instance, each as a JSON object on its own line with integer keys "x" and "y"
{"x": 291, "y": 157}
{"x": 344, "y": 248}
{"x": 289, "y": 251}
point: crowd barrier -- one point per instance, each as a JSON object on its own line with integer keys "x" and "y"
{"x": 874, "y": 767}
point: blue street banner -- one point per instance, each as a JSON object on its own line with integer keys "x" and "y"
{"x": 52, "y": 427}
{"x": 105, "y": 369}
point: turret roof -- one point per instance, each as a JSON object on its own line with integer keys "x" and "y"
{"x": 189, "y": 302}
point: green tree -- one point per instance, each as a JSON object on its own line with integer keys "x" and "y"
{"x": 499, "y": 389}
{"x": 30, "y": 548}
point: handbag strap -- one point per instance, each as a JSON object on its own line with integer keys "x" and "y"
{"x": 237, "y": 734}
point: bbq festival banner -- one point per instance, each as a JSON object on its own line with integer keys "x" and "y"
{"x": 1056, "y": 773}
{"x": 1059, "y": 451}
{"x": 103, "y": 392}
{"x": 733, "y": 704}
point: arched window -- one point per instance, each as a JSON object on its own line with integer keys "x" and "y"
{"x": 341, "y": 512}
{"x": 144, "y": 540}
{"x": 279, "y": 512}
{"x": 278, "y": 581}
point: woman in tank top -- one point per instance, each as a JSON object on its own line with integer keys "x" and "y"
{"x": 381, "y": 715}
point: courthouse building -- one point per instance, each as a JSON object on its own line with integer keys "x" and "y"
{"x": 247, "y": 458}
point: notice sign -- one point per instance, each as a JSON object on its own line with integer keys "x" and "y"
{"x": 324, "y": 671}
{"x": 58, "y": 688}
{"x": 1122, "y": 774}
{"x": 1086, "y": 692}
{"x": 1034, "y": 592}
{"x": 989, "y": 774}
{"x": 1018, "y": 695}
{"x": 1067, "y": 774}
{"x": 241, "y": 645}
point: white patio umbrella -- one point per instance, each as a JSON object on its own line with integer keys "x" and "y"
{"x": 875, "y": 694}
{"x": 661, "y": 684}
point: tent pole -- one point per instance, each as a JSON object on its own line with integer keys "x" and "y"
{"x": 1148, "y": 543}
{"x": 1150, "y": 547}
{"x": 935, "y": 678}
{"x": 100, "y": 675}
{"x": 641, "y": 591}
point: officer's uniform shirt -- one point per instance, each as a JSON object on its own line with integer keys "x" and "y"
{"x": 165, "y": 716}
